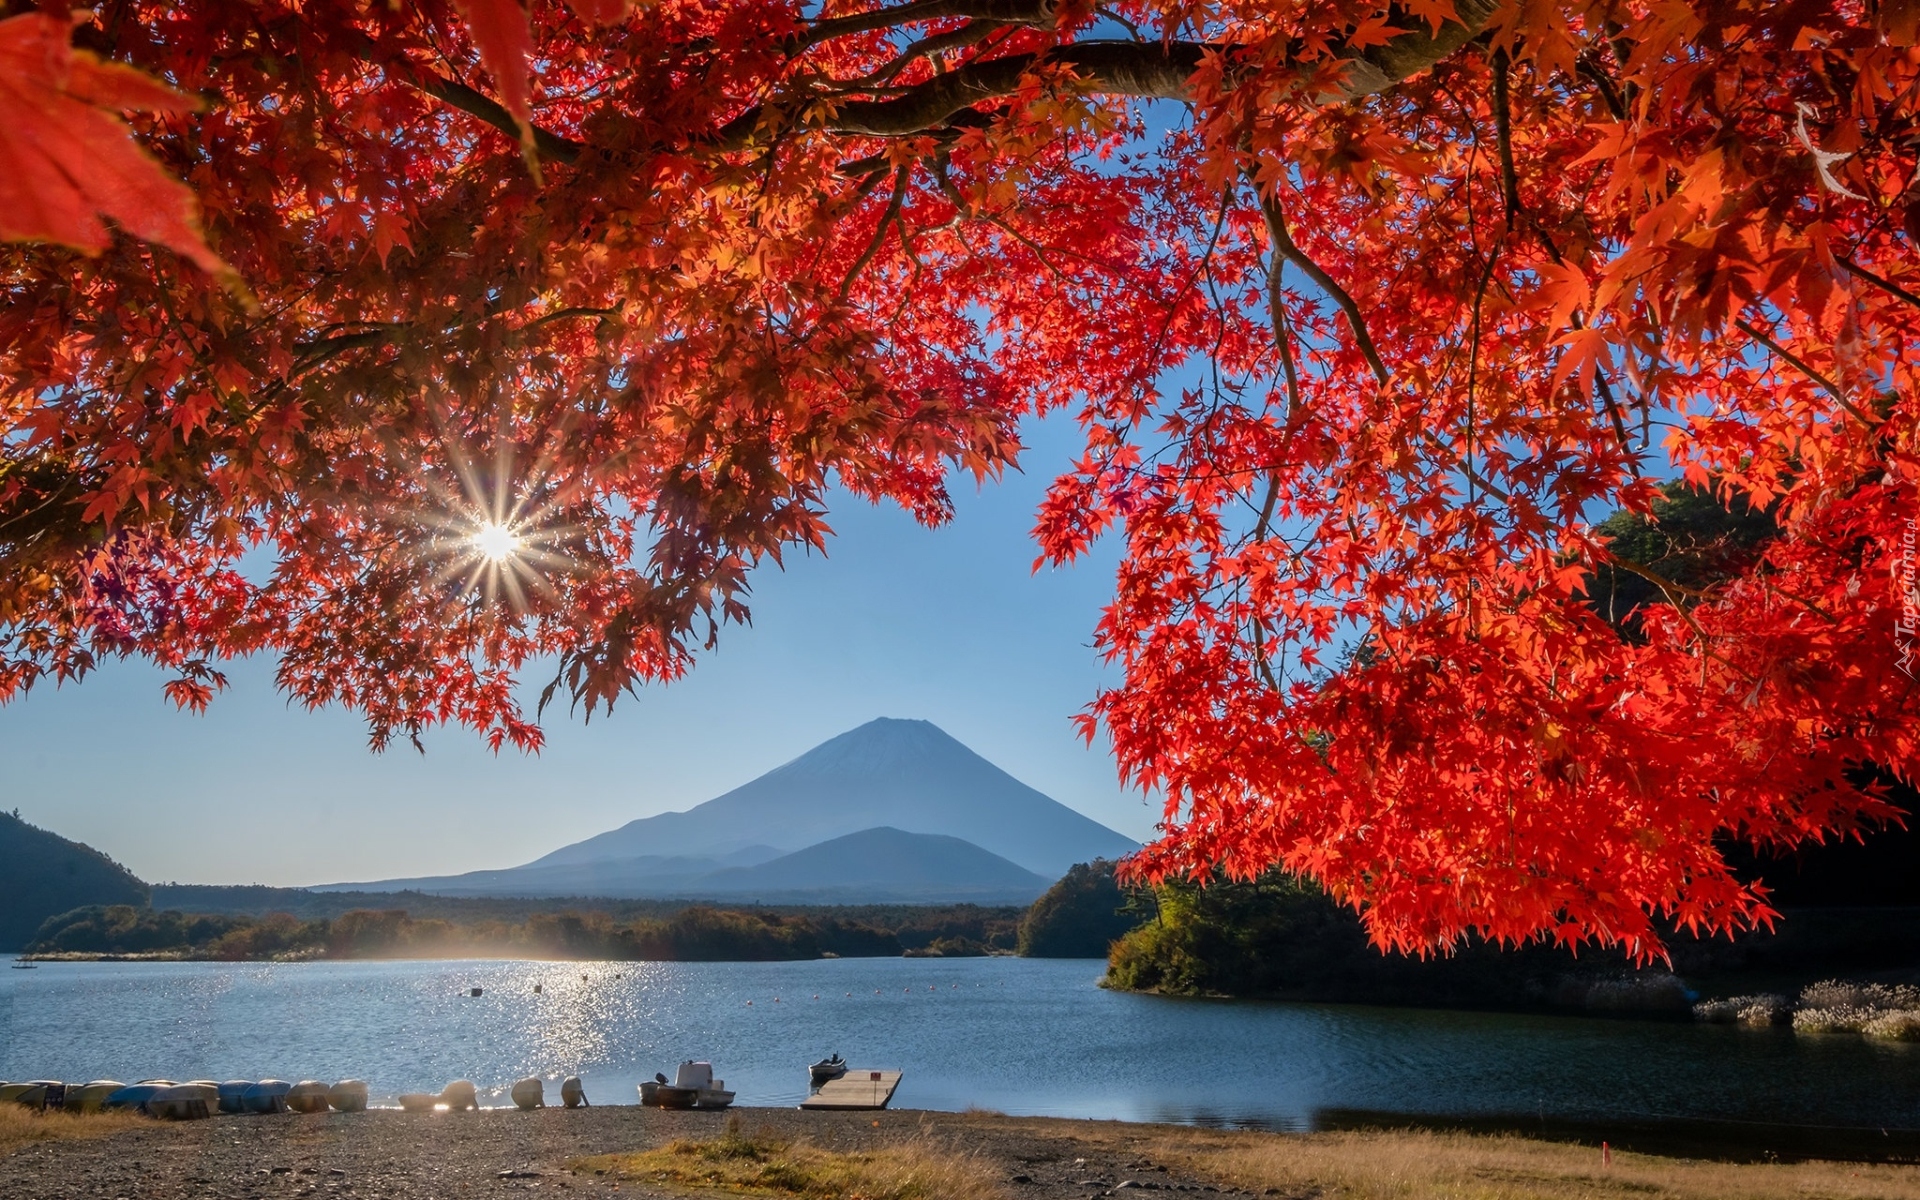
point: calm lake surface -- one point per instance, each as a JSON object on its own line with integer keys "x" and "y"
{"x": 1022, "y": 1036}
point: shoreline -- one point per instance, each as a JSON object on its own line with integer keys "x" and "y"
{"x": 504, "y": 1152}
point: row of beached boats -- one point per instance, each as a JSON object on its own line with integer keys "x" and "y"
{"x": 693, "y": 1086}
{"x": 204, "y": 1098}
{"x": 189, "y": 1101}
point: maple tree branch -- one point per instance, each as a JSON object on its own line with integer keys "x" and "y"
{"x": 1006, "y": 12}
{"x": 879, "y": 231}
{"x": 566, "y": 313}
{"x": 1809, "y": 605}
{"x": 1282, "y": 335}
{"x": 1672, "y": 590}
{"x": 1609, "y": 94}
{"x": 1887, "y": 285}
{"x": 1605, "y": 392}
{"x": 546, "y": 143}
{"x": 1503, "y": 138}
{"x": 1826, "y": 385}
{"x": 954, "y": 39}
{"x": 1146, "y": 70}
{"x": 1284, "y": 245}
{"x": 315, "y": 353}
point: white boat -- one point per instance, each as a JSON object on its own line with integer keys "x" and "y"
{"x": 693, "y": 1086}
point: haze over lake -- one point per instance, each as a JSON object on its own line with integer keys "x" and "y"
{"x": 1025, "y": 1036}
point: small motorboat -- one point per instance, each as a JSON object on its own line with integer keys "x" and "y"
{"x": 666, "y": 1095}
{"x": 826, "y": 1071}
{"x": 693, "y": 1086}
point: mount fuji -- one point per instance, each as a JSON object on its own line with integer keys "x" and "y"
{"x": 909, "y": 778}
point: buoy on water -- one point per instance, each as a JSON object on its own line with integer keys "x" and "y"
{"x": 473, "y": 991}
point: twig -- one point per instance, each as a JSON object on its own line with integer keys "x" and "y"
{"x": 879, "y": 232}
{"x": 546, "y": 143}
{"x": 1826, "y": 385}
{"x": 1283, "y": 242}
{"x": 1891, "y": 287}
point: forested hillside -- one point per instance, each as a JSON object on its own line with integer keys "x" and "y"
{"x": 1083, "y": 914}
{"x": 46, "y": 875}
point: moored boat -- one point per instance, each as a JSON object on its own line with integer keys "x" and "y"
{"x": 135, "y": 1096}
{"x": 826, "y": 1070}
{"x": 693, "y": 1086}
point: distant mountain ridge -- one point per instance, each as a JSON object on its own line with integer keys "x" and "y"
{"x": 907, "y": 783}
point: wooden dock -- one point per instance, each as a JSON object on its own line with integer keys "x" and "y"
{"x": 855, "y": 1089}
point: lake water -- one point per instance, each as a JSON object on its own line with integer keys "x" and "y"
{"x": 1022, "y": 1036}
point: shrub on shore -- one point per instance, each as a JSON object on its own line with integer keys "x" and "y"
{"x": 20, "y": 1126}
{"x": 1767, "y": 1008}
{"x": 1878, "y": 1010}
{"x": 761, "y": 1164}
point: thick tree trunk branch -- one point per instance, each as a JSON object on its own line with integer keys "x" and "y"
{"x": 1377, "y": 68}
{"x": 1146, "y": 70}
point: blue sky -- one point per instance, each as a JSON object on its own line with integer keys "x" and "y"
{"x": 949, "y": 625}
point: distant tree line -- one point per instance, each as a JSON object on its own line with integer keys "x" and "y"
{"x": 695, "y": 933}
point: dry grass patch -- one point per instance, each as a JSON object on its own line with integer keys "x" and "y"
{"x": 23, "y": 1126}
{"x": 760, "y": 1164}
{"x": 1413, "y": 1165}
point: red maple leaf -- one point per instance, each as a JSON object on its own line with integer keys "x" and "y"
{"x": 66, "y": 159}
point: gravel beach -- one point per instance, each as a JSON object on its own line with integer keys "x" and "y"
{"x": 388, "y": 1155}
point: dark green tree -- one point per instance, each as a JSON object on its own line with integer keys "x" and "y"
{"x": 1081, "y": 915}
